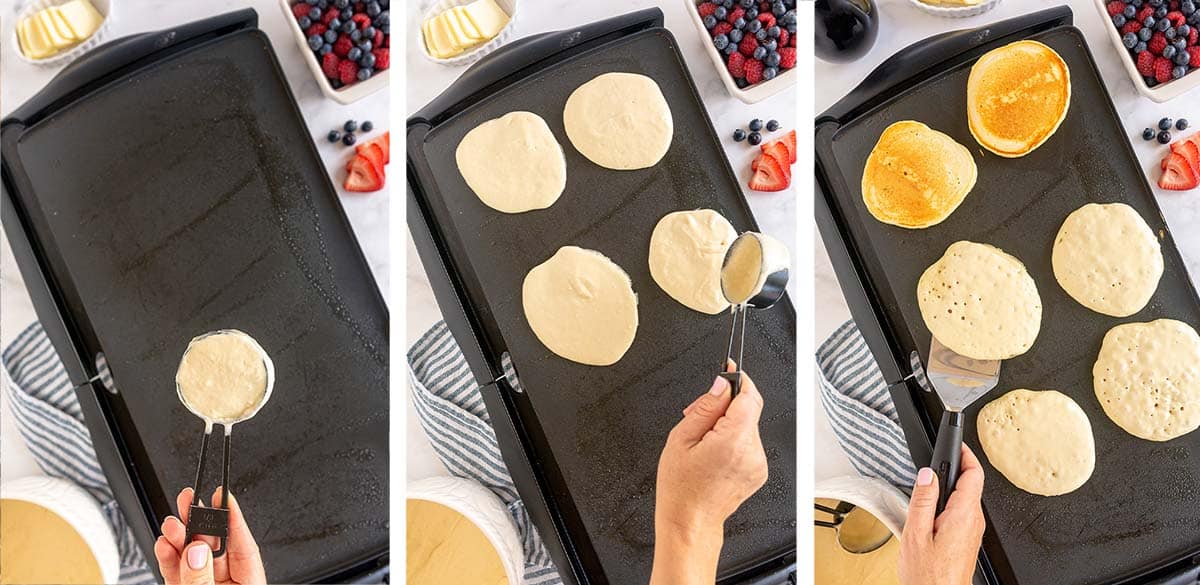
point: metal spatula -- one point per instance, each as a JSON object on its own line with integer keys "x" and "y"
{"x": 958, "y": 381}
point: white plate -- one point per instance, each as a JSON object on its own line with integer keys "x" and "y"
{"x": 347, "y": 94}
{"x": 467, "y": 57}
{"x": 751, "y": 94}
{"x": 1159, "y": 93}
{"x": 104, "y": 7}
{"x": 79, "y": 509}
{"x": 955, "y": 11}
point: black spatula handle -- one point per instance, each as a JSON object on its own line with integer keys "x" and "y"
{"x": 947, "y": 455}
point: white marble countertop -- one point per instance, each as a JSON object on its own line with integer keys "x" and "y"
{"x": 775, "y": 212}
{"x": 368, "y": 213}
{"x": 902, "y": 24}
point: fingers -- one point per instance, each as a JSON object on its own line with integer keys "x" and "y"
{"x": 197, "y": 565}
{"x": 174, "y": 532}
{"x": 704, "y": 412}
{"x": 968, "y": 490}
{"x": 746, "y": 408}
{"x": 183, "y": 503}
{"x": 245, "y": 564}
{"x": 922, "y": 507}
{"x": 168, "y": 561}
{"x": 730, "y": 366}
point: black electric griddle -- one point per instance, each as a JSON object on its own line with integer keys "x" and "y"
{"x": 1137, "y": 520}
{"x": 582, "y": 442}
{"x": 165, "y": 185}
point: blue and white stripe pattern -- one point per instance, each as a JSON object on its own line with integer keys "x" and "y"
{"x": 860, "y": 410}
{"x": 450, "y": 408}
{"x": 49, "y": 419}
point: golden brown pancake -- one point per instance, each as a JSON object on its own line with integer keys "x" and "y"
{"x": 1017, "y": 96}
{"x": 916, "y": 176}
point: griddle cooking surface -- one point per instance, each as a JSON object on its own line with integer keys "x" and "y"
{"x": 187, "y": 198}
{"x": 1142, "y": 504}
{"x": 607, "y": 425}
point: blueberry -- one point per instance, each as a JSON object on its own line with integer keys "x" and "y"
{"x": 735, "y": 36}
{"x": 731, "y": 49}
{"x": 367, "y": 126}
{"x": 315, "y": 42}
{"x": 1118, "y": 20}
{"x": 1130, "y": 40}
{"x": 1179, "y": 72}
{"x": 346, "y": 14}
{"x": 761, "y": 35}
{"x": 741, "y": 82}
{"x": 739, "y": 135}
{"x": 1163, "y": 24}
{"x": 1164, "y": 137}
{"x": 373, "y": 10}
{"x": 1182, "y": 58}
{"x": 365, "y": 73}
{"x": 760, "y": 53}
{"x": 754, "y": 26}
{"x": 341, "y": 4}
{"x": 369, "y": 32}
{"x": 773, "y": 32}
{"x": 1161, "y": 12}
{"x": 1169, "y": 51}
{"x": 1145, "y": 34}
{"x": 720, "y": 42}
{"x": 772, "y": 125}
{"x": 315, "y": 14}
{"x": 304, "y": 22}
{"x": 755, "y": 138}
{"x": 1170, "y": 34}
{"x": 1155, "y": 3}
{"x": 772, "y": 59}
{"x": 710, "y": 21}
{"x": 791, "y": 28}
{"x": 1187, "y": 7}
{"x": 1183, "y": 30}
{"x": 756, "y": 125}
{"x": 349, "y": 139}
{"x": 356, "y": 35}
{"x": 311, "y": 2}
{"x": 1150, "y": 81}
{"x": 1149, "y": 22}
{"x": 350, "y": 126}
{"x": 1130, "y": 11}
{"x": 366, "y": 46}
{"x": 1148, "y": 134}
{"x": 354, "y": 54}
{"x": 1140, "y": 47}
{"x": 348, "y": 26}
{"x": 330, "y": 36}
{"x": 751, "y": 14}
{"x": 326, "y": 49}
{"x": 333, "y": 136}
{"x": 720, "y": 13}
{"x": 368, "y": 61}
{"x": 1181, "y": 124}
{"x": 747, "y": 3}
{"x": 778, "y": 9}
{"x": 739, "y": 24}
{"x": 770, "y": 72}
{"x": 770, "y": 45}
{"x": 383, "y": 20}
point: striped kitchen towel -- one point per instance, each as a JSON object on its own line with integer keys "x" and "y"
{"x": 450, "y": 408}
{"x": 860, "y": 410}
{"x": 49, "y": 419}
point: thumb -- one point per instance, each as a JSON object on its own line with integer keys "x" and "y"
{"x": 704, "y": 412}
{"x": 922, "y": 507}
{"x": 197, "y": 565}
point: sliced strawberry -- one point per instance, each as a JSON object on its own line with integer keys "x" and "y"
{"x": 779, "y": 151}
{"x": 1189, "y": 149}
{"x": 789, "y": 142}
{"x": 1179, "y": 174}
{"x": 383, "y": 142}
{"x": 374, "y": 153}
{"x": 768, "y": 175}
{"x": 362, "y": 176}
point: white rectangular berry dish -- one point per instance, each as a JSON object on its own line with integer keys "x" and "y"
{"x": 346, "y": 95}
{"x": 752, "y": 94}
{"x": 1160, "y": 93}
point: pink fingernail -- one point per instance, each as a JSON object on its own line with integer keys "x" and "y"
{"x": 720, "y": 385}
{"x": 198, "y": 556}
{"x": 924, "y": 477}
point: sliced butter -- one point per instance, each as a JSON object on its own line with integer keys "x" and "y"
{"x": 443, "y": 38}
{"x": 23, "y": 38}
{"x": 60, "y": 24}
{"x": 487, "y": 17}
{"x": 457, "y": 35}
{"x": 81, "y": 17}
{"x": 46, "y": 22}
{"x": 460, "y": 14}
{"x": 39, "y": 44}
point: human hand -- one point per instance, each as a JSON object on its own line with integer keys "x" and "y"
{"x": 943, "y": 550}
{"x": 712, "y": 462}
{"x": 193, "y": 564}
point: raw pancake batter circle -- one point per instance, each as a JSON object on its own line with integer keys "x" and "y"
{"x": 513, "y": 163}
{"x": 980, "y": 302}
{"x": 619, "y": 121}
{"x": 1041, "y": 441}
{"x": 915, "y": 176}
{"x": 581, "y": 306}
{"x": 1147, "y": 378}
{"x": 224, "y": 376}
{"x": 1106, "y": 257}
{"x": 686, "y": 252}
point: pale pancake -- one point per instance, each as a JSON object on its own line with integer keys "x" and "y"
{"x": 619, "y": 121}
{"x": 1107, "y": 258}
{"x": 686, "y": 252}
{"x": 1017, "y": 96}
{"x": 1041, "y": 441}
{"x": 581, "y": 306}
{"x": 1147, "y": 378}
{"x": 980, "y": 302}
{"x": 513, "y": 163}
{"x": 916, "y": 176}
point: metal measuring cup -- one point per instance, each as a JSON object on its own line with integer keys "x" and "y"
{"x": 203, "y": 520}
{"x": 764, "y": 259}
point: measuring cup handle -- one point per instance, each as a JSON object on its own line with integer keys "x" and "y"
{"x": 947, "y": 454}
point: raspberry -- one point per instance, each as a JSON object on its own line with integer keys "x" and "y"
{"x": 787, "y": 57}
{"x": 1195, "y": 53}
{"x": 378, "y": 40}
{"x": 754, "y": 69}
{"x": 362, "y": 19}
{"x": 1115, "y": 7}
{"x": 736, "y": 65}
{"x": 1193, "y": 37}
{"x": 1131, "y": 27}
{"x": 1177, "y": 18}
{"x": 348, "y": 71}
{"x": 300, "y": 9}
{"x": 767, "y": 19}
{"x": 1158, "y": 42}
{"x": 329, "y": 65}
{"x": 1162, "y": 69}
{"x": 1145, "y": 63}
{"x": 383, "y": 59}
{"x": 328, "y": 16}
{"x": 1146, "y": 11}
{"x": 342, "y": 47}
{"x": 735, "y": 14}
{"x": 783, "y": 38}
{"x": 706, "y": 8}
{"x": 722, "y": 28}
{"x": 749, "y": 43}
{"x": 316, "y": 29}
